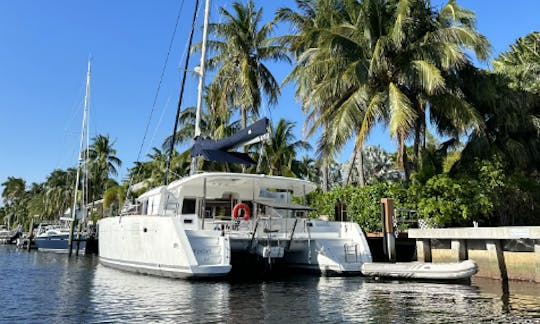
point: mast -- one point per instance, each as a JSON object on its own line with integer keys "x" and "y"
{"x": 81, "y": 154}
{"x": 179, "y": 106}
{"x": 195, "y": 159}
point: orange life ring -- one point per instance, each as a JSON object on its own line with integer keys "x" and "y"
{"x": 236, "y": 211}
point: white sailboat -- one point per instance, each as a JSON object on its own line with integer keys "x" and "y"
{"x": 59, "y": 237}
{"x": 206, "y": 224}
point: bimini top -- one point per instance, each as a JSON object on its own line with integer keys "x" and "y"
{"x": 241, "y": 185}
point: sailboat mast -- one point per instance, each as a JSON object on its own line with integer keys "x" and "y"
{"x": 81, "y": 154}
{"x": 179, "y": 106}
{"x": 194, "y": 163}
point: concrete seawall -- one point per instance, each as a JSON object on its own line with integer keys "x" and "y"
{"x": 500, "y": 252}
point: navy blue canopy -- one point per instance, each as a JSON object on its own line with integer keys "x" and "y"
{"x": 217, "y": 150}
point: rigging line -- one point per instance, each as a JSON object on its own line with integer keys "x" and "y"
{"x": 165, "y": 108}
{"x": 75, "y": 108}
{"x": 157, "y": 91}
{"x": 178, "y": 108}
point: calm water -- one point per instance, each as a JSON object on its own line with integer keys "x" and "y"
{"x": 49, "y": 288}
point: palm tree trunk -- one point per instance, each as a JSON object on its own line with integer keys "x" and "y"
{"x": 402, "y": 154}
{"x": 416, "y": 145}
{"x": 325, "y": 170}
{"x": 244, "y": 125}
{"x": 350, "y": 168}
{"x": 419, "y": 137}
{"x": 360, "y": 168}
{"x": 356, "y": 155}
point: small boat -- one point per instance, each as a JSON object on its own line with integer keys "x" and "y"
{"x": 9, "y": 237}
{"x": 5, "y": 235}
{"x": 421, "y": 270}
{"x": 55, "y": 238}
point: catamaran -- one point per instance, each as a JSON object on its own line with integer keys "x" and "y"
{"x": 204, "y": 224}
{"x": 208, "y": 224}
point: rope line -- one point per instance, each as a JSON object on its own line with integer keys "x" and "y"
{"x": 157, "y": 92}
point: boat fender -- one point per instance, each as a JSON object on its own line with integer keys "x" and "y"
{"x": 238, "y": 207}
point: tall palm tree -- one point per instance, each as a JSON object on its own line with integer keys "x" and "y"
{"x": 102, "y": 151}
{"x": 386, "y": 61}
{"x": 13, "y": 196}
{"x": 102, "y": 162}
{"x": 14, "y": 189}
{"x": 59, "y": 190}
{"x": 241, "y": 46}
{"x": 311, "y": 22}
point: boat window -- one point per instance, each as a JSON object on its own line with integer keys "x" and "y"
{"x": 188, "y": 206}
{"x": 218, "y": 208}
{"x": 301, "y": 214}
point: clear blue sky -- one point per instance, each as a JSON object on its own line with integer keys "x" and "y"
{"x": 44, "y": 47}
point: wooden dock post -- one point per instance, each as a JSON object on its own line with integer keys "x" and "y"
{"x": 388, "y": 224}
{"x": 30, "y": 234}
{"x": 496, "y": 257}
{"x": 537, "y": 255}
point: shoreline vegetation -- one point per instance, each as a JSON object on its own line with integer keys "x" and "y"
{"x": 468, "y": 137}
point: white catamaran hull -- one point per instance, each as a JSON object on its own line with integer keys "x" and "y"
{"x": 160, "y": 245}
{"x": 316, "y": 246}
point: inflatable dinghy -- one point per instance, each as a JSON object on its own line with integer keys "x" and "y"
{"x": 421, "y": 270}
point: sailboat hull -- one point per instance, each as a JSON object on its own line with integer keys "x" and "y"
{"x": 58, "y": 244}
{"x": 160, "y": 245}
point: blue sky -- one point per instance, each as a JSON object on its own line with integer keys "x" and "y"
{"x": 44, "y": 47}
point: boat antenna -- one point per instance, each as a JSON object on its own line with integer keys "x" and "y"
{"x": 194, "y": 160}
{"x": 81, "y": 154}
{"x": 180, "y": 99}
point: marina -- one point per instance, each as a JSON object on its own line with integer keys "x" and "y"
{"x": 397, "y": 180}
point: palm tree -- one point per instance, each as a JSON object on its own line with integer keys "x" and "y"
{"x": 521, "y": 64}
{"x": 386, "y": 62}
{"x": 36, "y": 199}
{"x": 59, "y": 190}
{"x": 511, "y": 130}
{"x": 279, "y": 154}
{"x": 14, "y": 189}
{"x": 102, "y": 162}
{"x": 307, "y": 169}
{"x": 241, "y": 47}
{"x": 13, "y": 196}
{"x": 102, "y": 151}
{"x": 377, "y": 165}
{"x": 315, "y": 18}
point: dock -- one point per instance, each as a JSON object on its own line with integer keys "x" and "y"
{"x": 502, "y": 253}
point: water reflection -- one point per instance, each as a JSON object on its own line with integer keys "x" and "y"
{"x": 45, "y": 288}
{"x": 304, "y": 299}
{"x": 38, "y": 286}
{"x": 123, "y": 296}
